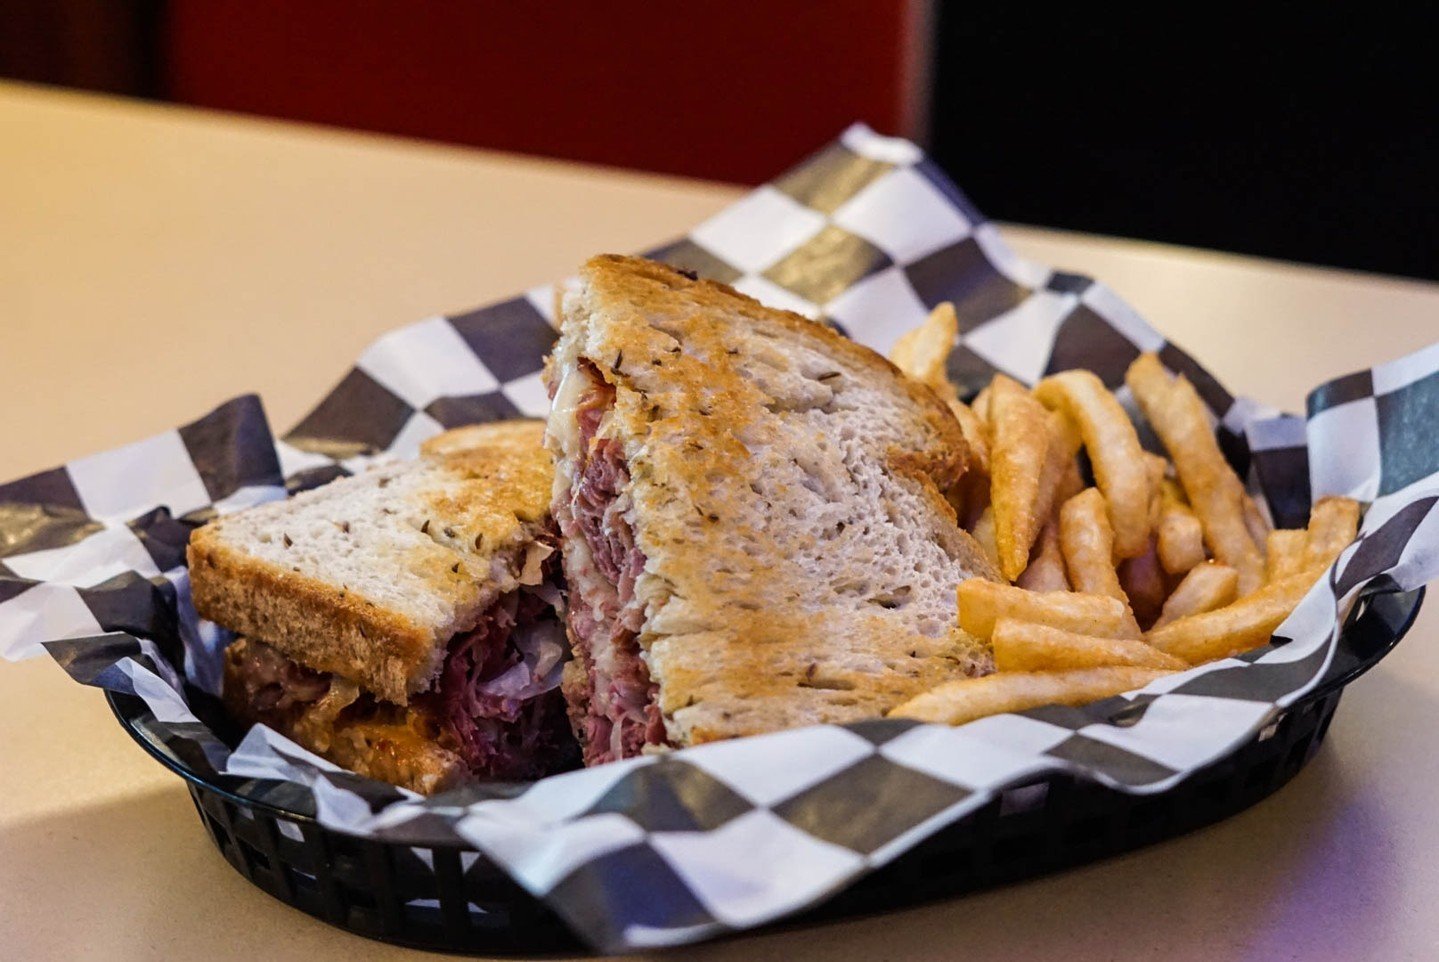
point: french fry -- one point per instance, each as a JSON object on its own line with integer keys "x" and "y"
{"x": 1333, "y": 524}
{"x": 1156, "y": 467}
{"x": 1059, "y": 480}
{"x": 1046, "y": 563}
{"x": 1064, "y": 437}
{"x": 1172, "y": 492}
{"x": 1088, "y": 544}
{"x": 922, "y": 353}
{"x": 974, "y": 435}
{"x": 1142, "y": 580}
{"x": 1147, "y": 377}
{"x": 1178, "y": 416}
{"x": 1025, "y": 646}
{"x": 980, "y": 405}
{"x": 982, "y": 603}
{"x": 1235, "y": 628}
{"x": 1018, "y": 426}
{"x": 1179, "y": 537}
{"x": 1206, "y": 587}
{"x": 983, "y": 532}
{"x": 1256, "y": 522}
{"x": 1114, "y": 451}
{"x": 1284, "y": 553}
{"x": 1070, "y": 484}
{"x": 957, "y": 702}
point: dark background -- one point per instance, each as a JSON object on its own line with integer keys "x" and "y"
{"x": 1304, "y": 134}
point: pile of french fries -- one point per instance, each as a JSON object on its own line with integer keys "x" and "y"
{"x": 1160, "y": 564}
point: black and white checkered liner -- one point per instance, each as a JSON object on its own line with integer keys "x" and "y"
{"x": 869, "y": 235}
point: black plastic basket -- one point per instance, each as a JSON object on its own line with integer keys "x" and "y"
{"x": 467, "y": 904}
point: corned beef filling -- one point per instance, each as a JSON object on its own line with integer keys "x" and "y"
{"x": 499, "y": 689}
{"x": 613, "y": 704}
{"x": 497, "y": 703}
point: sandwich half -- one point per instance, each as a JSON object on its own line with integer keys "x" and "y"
{"x": 406, "y": 623}
{"x": 754, "y": 532}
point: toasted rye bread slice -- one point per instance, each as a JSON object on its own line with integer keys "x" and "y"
{"x": 369, "y": 577}
{"x": 785, "y": 490}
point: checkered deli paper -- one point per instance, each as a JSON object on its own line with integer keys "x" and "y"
{"x": 868, "y": 234}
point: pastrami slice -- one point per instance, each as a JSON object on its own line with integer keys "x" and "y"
{"x": 613, "y": 703}
{"x": 498, "y": 691}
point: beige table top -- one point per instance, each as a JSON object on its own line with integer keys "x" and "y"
{"x": 157, "y": 261}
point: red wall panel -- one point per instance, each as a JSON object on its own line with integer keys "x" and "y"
{"x": 732, "y": 91}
